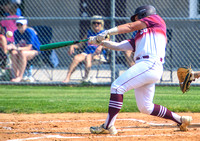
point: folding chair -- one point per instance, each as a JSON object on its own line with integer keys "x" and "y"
{"x": 98, "y": 62}
{"x": 5, "y": 66}
{"x": 44, "y": 61}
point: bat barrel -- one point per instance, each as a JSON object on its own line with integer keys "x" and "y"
{"x": 60, "y": 44}
{"x": 55, "y": 45}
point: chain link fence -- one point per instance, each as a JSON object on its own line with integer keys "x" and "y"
{"x": 64, "y": 20}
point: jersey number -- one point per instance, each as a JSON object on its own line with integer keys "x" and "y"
{"x": 143, "y": 31}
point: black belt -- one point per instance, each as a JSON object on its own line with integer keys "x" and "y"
{"x": 146, "y": 57}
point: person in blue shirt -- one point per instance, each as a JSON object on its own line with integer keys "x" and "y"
{"x": 5, "y": 3}
{"x": 91, "y": 51}
{"x": 17, "y": 3}
{"x": 26, "y": 47}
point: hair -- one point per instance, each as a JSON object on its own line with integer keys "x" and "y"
{"x": 99, "y": 17}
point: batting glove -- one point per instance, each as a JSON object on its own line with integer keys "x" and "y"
{"x": 102, "y": 36}
{"x": 93, "y": 40}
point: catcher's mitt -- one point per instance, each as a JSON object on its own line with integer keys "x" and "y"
{"x": 184, "y": 75}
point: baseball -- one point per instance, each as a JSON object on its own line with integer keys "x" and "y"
{"x": 9, "y": 34}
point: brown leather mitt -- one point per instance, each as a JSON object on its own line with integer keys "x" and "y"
{"x": 184, "y": 75}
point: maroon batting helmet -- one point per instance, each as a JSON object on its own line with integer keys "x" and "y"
{"x": 143, "y": 11}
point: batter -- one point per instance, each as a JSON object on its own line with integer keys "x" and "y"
{"x": 149, "y": 47}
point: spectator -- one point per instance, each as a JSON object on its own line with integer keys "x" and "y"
{"x": 3, "y": 50}
{"x": 26, "y": 48}
{"x": 16, "y": 3}
{"x": 5, "y": 63}
{"x": 91, "y": 51}
{"x": 3, "y": 41}
{"x": 10, "y": 25}
{"x": 27, "y": 77}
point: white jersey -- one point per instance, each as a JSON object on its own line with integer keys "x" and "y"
{"x": 152, "y": 40}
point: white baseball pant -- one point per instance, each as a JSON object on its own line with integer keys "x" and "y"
{"x": 142, "y": 77}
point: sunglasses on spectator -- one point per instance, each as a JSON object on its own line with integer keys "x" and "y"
{"x": 18, "y": 24}
{"x": 96, "y": 23}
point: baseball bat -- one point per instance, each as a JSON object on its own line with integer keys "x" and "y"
{"x": 60, "y": 44}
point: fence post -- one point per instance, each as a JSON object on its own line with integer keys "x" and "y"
{"x": 113, "y": 70}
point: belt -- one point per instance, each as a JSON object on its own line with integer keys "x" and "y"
{"x": 146, "y": 57}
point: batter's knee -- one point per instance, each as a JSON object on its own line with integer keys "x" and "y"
{"x": 146, "y": 109}
{"x": 119, "y": 89}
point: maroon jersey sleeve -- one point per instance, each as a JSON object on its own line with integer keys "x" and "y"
{"x": 156, "y": 22}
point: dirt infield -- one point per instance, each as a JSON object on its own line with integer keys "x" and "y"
{"x": 73, "y": 126}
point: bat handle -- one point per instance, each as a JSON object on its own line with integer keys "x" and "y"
{"x": 79, "y": 41}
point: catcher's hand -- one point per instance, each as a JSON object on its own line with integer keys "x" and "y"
{"x": 185, "y": 78}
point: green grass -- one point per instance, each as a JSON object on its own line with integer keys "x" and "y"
{"x": 55, "y": 99}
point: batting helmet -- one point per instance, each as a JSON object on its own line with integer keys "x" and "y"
{"x": 143, "y": 11}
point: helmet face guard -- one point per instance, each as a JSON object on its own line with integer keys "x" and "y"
{"x": 143, "y": 11}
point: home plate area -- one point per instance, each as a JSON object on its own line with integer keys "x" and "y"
{"x": 75, "y": 126}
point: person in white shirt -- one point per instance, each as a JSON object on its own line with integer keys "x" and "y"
{"x": 149, "y": 52}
